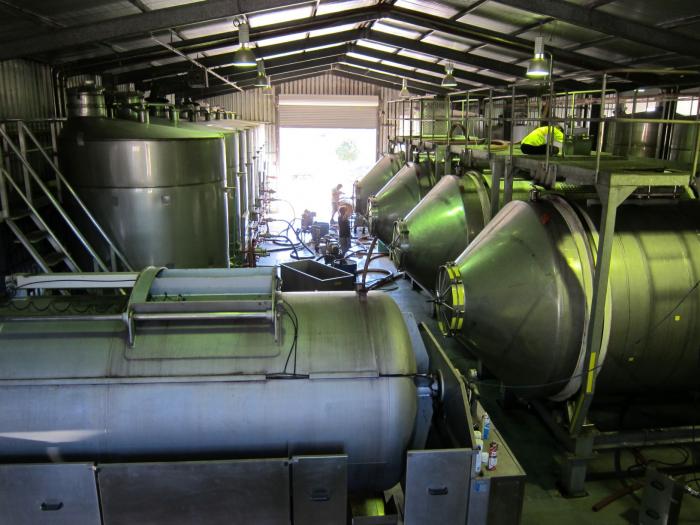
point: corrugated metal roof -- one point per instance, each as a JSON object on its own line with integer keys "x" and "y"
{"x": 679, "y": 16}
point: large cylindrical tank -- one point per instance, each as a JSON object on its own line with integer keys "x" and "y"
{"x": 158, "y": 191}
{"x": 341, "y": 382}
{"x": 381, "y": 173}
{"x": 633, "y": 139}
{"x": 443, "y": 224}
{"x": 526, "y": 288}
{"x": 683, "y": 142}
{"x": 397, "y": 197}
{"x": 162, "y": 115}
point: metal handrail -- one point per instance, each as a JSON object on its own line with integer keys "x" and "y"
{"x": 113, "y": 249}
{"x": 53, "y": 201}
{"x": 18, "y": 189}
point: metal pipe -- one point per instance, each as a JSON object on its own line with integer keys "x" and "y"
{"x": 165, "y": 316}
{"x": 207, "y": 70}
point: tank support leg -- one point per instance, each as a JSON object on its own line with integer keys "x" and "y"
{"x": 498, "y": 168}
{"x": 574, "y": 465}
{"x": 611, "y": 196}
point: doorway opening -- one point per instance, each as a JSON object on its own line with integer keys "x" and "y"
{"x": 313, "y": 161}
{"x": 324, "y": 140}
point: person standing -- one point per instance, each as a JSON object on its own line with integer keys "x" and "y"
{"x": 335, "y": 200}
{"x": 344, "y": 238}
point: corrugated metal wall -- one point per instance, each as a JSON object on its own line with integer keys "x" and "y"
{"x": 253, "y": 104}
{"x": 26, "y": 90}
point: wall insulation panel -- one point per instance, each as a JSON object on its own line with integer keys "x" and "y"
{"x": 26, "y": 90}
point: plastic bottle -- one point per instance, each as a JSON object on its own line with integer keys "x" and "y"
{"x": 485, "y": 426}
{"x": 492, "y": 456}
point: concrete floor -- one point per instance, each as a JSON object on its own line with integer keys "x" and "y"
{"x": 533, "y": 445}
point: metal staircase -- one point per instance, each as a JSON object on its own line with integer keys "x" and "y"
{"x": 33, "y": 205}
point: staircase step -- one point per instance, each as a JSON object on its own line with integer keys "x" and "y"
{"x": 20, "y": 215}
{"x": 52, "y": 259}
{"x": 38, "y": 203}
{"x": 41, "y": 202}
{"x": 37, "y": 236}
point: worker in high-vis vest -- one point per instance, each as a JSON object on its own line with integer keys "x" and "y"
{"x": 536, "y": 142}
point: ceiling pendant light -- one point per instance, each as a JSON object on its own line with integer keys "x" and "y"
{"x": 404, "y": 89}
{"x": 262, "y": 79}
{"x": 244, "y": 56}
{"x": 539, "y": 66}
{"x": 448, "y": 80}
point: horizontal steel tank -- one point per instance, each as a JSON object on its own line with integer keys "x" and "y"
{"x": 442, "y": 224}
{"x": 397, "y": 197}
{"x": 381, "y": 173}
{"x": 158, "y": 191}
{"x": 520, "y": 294}
{"x": 263, "y": 374}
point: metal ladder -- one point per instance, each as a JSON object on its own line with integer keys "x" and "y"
{"x": 38, "y": 198}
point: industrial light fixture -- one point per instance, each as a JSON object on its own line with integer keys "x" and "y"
{"x": 244, "y": 56}
{"x": 404, "y": 89}
{"x": 539, "y": 66}
{"x": 449, "y": 80}
{"x": 262, "y": 79}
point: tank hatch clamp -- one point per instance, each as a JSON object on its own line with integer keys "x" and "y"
{"x": 141, "y": 307}
{"x": 449, "y": 299}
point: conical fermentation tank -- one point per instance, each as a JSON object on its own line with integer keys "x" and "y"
{"x": 262, "y": 375}
{"x": 158, "y": 191}
{"x": 443, "y": 224}
{"x": 519, "y": 296}
{"x": 381, "y": 173}
{"x": 398, "y": 196}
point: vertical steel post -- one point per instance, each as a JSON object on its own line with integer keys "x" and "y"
{"x": 696, "y": 154}
{"x": 601, "y": 128}
{"x": 611, "y": 196}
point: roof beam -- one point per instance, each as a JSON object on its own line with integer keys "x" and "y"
{"x": 227, "y": 58}
{"x": 220, "y": 89}
{"x": 234, "y": 73}
{"x": 469, "y": 59}
{"x": 138, "y": 24}
{"x": 496, "y": 39}
{"x": 212, "y": 42}
{"x": 378, "y": 82}
{"x": 447, "y": 54}
{"x": 610, "y": 24}
{"x": 427, "y": 66}
{"x": 385, "y": 68}
{"x": 392, "y": 81}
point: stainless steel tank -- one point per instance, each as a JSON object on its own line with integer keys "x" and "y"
{"x": 683, "y": 142}
{"x": 194, "y": 387}
{"x": 638, "y": 139}
{"x": 158, "y": 191}
{"x": 161, "y": 114}
{"x": 381, "y": 173}
{"x": 525, "y": 285}
{"x": 397, "y": 197}
{"x": 442, "y": 224}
